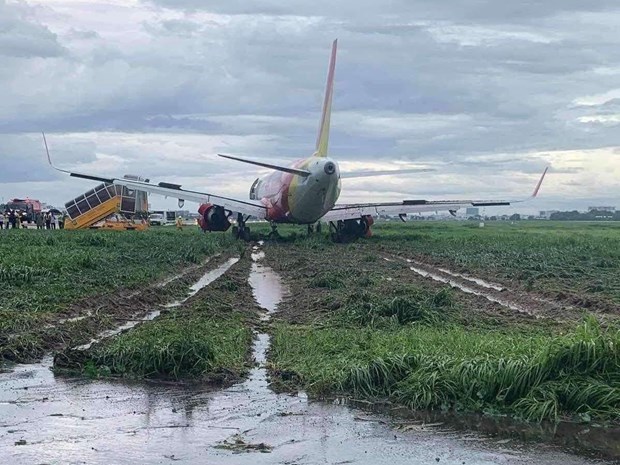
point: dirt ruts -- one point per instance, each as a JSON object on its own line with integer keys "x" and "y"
{"x": 89, "y": 316}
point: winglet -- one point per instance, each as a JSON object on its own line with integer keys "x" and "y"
{"x": 323, "y": 136}
{"x": 540, "y": 181}
{"x": 49, "y": 158}
{"x": 47, "y": 150}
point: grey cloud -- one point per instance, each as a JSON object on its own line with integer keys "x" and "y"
{"x": 504, "y": 76}
{"x": 21, "y": 37}
{"x": 478, "y": 10}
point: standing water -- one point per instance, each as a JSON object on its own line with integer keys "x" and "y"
{"x": 45, "y": 419}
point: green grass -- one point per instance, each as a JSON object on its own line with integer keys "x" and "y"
{"x": 46, "y": 270}
{"x": 532, "y": 375}
{"x": 42, "y": 273}
{"x": 371, "y": 329}
{"x": 177, "y": 347}
{"x": 578, "y": 259}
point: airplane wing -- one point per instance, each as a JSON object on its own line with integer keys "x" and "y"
{"x": 173, "y": 190}
{"x": 353, "y": 211}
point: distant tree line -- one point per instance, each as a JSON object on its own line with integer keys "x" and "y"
{"x": 594, "y": 215}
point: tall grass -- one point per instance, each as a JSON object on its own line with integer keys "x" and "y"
{"x": 177, "y": 347}
{"x": 534, "y": 376}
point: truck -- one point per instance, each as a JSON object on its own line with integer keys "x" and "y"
{"x": 162, "y": 217}
{"x": 27, "y": 208}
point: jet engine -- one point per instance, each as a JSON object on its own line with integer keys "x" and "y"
{"x": 213, "y": 218}
{"x": 367, "y": 221}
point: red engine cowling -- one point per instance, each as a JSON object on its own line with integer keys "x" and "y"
{"x": 213, "y": 218}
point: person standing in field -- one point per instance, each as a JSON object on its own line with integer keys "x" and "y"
{"x": 55, "y": 221}
{"x": 179, "y": 222}
{"x": 1, "y": 221}
{"x": 39, "y": 220}
{"x": 48, "y": 220}
{"x": 12, "y": 219}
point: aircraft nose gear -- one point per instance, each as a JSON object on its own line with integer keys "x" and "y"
{"x": 274, "y": 234}
{"x": 314, "y": 228}
{"x": 241, "y": 231}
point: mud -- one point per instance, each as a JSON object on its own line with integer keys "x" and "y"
{"x": 469, "y": 290}
{"x": 561, "y": 301}
{"x": 309, "y": 305}
{"x": 86, "y": 318}
{"x": 206, "y": 279}
{"x": 48, "y": 419}
{"x": 514, "y": 299}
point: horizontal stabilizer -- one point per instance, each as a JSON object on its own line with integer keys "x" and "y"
{"x": 286, "y": 169}
{"x": 373, "y": 173}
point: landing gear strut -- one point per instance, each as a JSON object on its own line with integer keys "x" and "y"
{"x": 274, "y": 234}
{"x": 314, "y": 228}
{"x": 241, "y": 231}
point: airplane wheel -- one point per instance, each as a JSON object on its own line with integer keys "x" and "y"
{"x": 235, "y": 231}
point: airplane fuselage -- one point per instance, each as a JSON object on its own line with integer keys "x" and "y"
{"x": 290, "y": 198}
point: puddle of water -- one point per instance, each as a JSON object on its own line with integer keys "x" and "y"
{"x": 204, "y": 281}
{"x": 267, "y": 287}
{"x": 469, "y": 290}
{"x": 96, "y": 422}
{"x": 266, "y": 284}
{"x": 210, "y": 276}
{"x": 168, "y": 280}
{"x": 478, "y": 281}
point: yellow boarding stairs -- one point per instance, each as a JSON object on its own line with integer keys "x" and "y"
{"x": 107, "y": 207}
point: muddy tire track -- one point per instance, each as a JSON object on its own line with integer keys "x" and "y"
{"x": 89, "y": 316}
{"x": 515, "y": 300}
{"x": 227, "y": 290}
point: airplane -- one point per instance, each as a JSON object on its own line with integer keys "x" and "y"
{"x": 304, "y": 193}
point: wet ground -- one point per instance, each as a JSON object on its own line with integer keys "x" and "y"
{"x": 50, "y": 419}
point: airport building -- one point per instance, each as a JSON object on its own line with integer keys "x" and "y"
{"x": 607, "y": 208}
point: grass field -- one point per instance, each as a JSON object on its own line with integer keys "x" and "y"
{"x": 47, "y": 276}
{"x": 209, "y": 338}
{"x": 46, "y": 270}
{"x": 358, "y": 324}
{"x": 357, "y": 320}
{"x": 576, "y": 259}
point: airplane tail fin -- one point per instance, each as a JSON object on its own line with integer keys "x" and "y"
{"x": 323, "y": 136}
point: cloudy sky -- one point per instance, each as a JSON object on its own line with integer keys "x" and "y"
{"x": 487, "y": 93}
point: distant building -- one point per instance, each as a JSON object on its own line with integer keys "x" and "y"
{"x": 472, "y": 211}
{"x": 610, "y": 209}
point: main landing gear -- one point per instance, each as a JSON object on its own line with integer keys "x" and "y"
{"x": 241, "y": 231}
{"x": 350, "y": 230}
{"x": 314, "y": 228}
